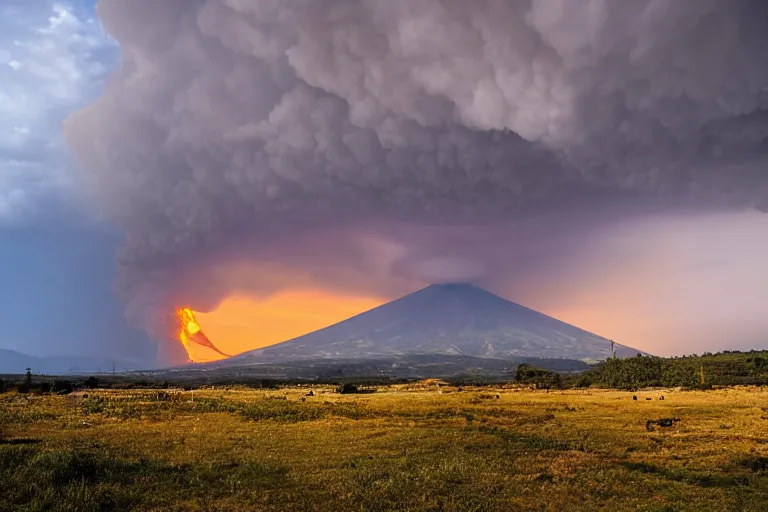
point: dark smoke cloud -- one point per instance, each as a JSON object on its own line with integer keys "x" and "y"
{"x": 251, "y": 130}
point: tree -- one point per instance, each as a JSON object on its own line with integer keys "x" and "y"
{"x": 27, "y": 385}
{"x": 542, "y": 378}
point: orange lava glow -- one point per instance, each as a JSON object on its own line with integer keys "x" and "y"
{"x": 240, "y": 324}
{"x": 192, "y": 336}
{"x": 188, "y": 326}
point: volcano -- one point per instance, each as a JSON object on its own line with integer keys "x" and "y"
{"x": 450, "y": 319}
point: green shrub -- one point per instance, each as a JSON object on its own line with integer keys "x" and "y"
{"x": 346, "y": 388}
{"x": 62, "y": 387}
{"x": 91, "y": 382}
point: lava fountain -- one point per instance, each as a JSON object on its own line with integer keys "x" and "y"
{"x": 190, "y": 332}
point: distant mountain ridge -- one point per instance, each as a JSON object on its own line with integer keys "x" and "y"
{"x": 12, "y": 362}
{"x": 451, "y": 319}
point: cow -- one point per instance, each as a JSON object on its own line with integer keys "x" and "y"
{"x": 663, "y": 422}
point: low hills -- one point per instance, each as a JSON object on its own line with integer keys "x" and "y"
{"x": 12, "y": 362}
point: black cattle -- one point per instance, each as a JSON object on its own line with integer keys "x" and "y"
{"x": 634, "y": 397}
{"x": 663, "y": 422}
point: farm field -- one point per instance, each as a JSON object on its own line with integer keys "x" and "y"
{"x": 401, "y": 448}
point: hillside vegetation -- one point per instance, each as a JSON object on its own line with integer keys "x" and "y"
{"x": 691, "y": 372}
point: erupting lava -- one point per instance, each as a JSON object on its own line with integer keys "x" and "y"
{"x": 190, "y": 332}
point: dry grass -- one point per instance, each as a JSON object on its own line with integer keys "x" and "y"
{"x": 396, "y": 449}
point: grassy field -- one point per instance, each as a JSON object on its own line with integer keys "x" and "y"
{"x": 400, "y": 448}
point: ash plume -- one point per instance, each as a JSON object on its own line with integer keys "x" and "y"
{"x": 234, "y": 130}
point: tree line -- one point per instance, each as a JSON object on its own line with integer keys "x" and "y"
{"x": 39, "y": 386}
{"x": 702, "y": 372}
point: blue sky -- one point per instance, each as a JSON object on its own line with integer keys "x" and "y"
{"x": 53, "y": 58}
{"x": 56, "y": 260}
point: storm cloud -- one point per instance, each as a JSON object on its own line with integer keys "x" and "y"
{"x": 331, "y": 136}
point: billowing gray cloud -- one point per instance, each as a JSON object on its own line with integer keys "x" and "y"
{"x": 235, "y": 125}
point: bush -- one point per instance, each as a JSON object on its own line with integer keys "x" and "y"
{"x": 62, "y": 387}
{"x": 91, "y": 382}
{"x": 346, "y": 388}
{"x": 545, "y": 379}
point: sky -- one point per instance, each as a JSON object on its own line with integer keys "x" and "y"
{"x": 280, "y": 166}
{"x": 56, "y": 257}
